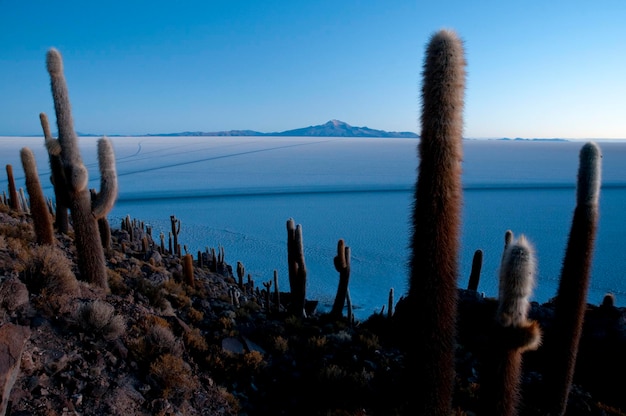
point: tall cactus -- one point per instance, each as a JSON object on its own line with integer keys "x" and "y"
{"x": 61, "y": 217}
{"x": 42, "y": 222}
{"x": 84, "y": 212}
{"x": 432, "y": 298}
{"x": 297, "y": 268}
{"x": 571, "y": 299}
{"x": 342, "y": 265}
{"x": 513, "y": 333}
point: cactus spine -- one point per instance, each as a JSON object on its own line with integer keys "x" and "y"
{"x": 42, "y": 222}
{"x": 342, "y": 265}
{"x": 432, "y": 299}
{"x": 84, "y": 212}
{"x": 297, "y": 268}
{"x": 571, "y": 299}
{"x": 513, "y": 332}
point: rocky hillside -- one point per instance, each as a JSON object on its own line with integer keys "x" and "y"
{"x": 160, "y": 341}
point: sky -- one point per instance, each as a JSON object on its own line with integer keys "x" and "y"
{"x": 535, "y": 69}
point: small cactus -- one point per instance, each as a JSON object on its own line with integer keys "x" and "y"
{"x": 297, "y": 268}
{"x": 14, "y": 200}
{"x": 342, "y": 265}
{"x": 188, "y": 269}
{"x": 42, "y": 222}
{"x": 513, "y": 333}
{"x": 477, "y": 264}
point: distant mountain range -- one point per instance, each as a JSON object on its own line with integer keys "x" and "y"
{"x": 333, "y": 128}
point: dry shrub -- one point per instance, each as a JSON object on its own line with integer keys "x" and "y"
{"x": 332, "y": 373}
{"x": 157, "y": 340}
{"x": 48, "y": 272}
{"x": 176, "y": 293}
{"x": 253, "y": 361}
{"x": 18, "y": 230}
{"x": 316, "y": 343}
{"x": 195, "y": 341}
{"x": 281, "y": 345}
{"x": 369, "y": 341}
{"x": 116, "y": 283}
{"x": 173, "y": 376}
{"x": 99, "y": 318}
{"x": 195, "y": 315}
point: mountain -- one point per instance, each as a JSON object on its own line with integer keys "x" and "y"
{"x": 336, "y": 128}
{"x": 333, "y": 128}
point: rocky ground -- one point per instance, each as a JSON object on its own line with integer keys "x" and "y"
{"x": 154, "y": 344}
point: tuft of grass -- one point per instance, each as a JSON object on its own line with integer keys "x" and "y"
{"x": 47, "y": 273}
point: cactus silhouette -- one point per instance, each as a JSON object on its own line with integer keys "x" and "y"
{"x": 433, "y": 264}
{"x": 342, "y": 265}
{"x": 42, "y": 221}
{"x": 477, "y": 265}
{"x": 513, "y": 333}
{"x": 14, "y": 200}
{"x": 571, "y": 299}
{"x": 61, "y": 217}
{"x": 84, "y": 212}
{"x": 297, "y": 268}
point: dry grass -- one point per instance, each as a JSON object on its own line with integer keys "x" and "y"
{"x": 99, "y": 318}
{"x": 173, "y": 376}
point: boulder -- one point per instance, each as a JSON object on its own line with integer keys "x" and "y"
{"x": 12, "y": 341}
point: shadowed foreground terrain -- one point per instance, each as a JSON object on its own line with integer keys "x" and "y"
{"x": 159, "y": 342}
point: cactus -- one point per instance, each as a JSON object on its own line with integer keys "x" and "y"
{"x": 42, "y": 221}
{"x": 188, "y": 269}
{"x": 297, "y": 268}
{"x": 433, "y": 264}
{"x": 240, "y": 274}
{"x": 268, "y": 286}
{"x": 175, "y": 230}
{"x": 276, "y": 291}
{"x": 477, "y": 264}
{"x": 571, "y": 299}
{"x": 57, "y": 178}
{"x": 84, "y": 212}
{"x": 513, "y": 333}
{"x": 390, "y": 303}
{"x": 14, "y": 201}
{"x": 342, "y": 265}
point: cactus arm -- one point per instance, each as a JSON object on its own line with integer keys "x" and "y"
{"x": 105, "y": 199}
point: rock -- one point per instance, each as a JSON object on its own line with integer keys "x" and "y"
{"x": 13, "y": 294}
{"x": 12, "y": 341}
{"x": 232, "y": 345}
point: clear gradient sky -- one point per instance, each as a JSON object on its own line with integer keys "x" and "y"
{"x": 536, "y": 69}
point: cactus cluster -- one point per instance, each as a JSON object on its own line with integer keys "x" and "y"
{"x": 84, "y": 210}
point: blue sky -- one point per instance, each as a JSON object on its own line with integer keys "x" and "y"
{"x": 535, "y": 68}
